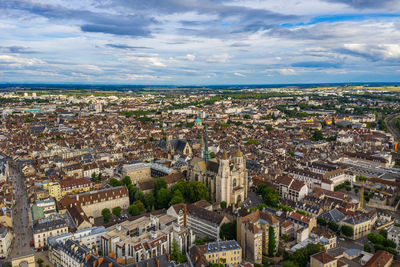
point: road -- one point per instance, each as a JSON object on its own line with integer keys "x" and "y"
{"x": 390, "y": 126}
{"x": 22, "y": 229}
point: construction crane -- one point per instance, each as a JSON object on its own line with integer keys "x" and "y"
{"x": 363, "y": 186}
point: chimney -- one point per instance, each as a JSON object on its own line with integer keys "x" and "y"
{"x": 184, "y": 214}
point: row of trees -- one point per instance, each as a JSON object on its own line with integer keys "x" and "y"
{"x": 161, "y": 197}
{"x": 382, "y": 243}
{"x": 345, "y": 229}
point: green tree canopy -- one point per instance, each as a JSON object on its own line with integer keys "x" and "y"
{"x": 106, "y": 213}
{"x": 197, "y": 191}
{"x": 271, "y": 241}
{"x": 117, "y": 211}
{"x": 162, "y": 198}
{"x": 228, "y": 231}
{"x": 133, "y": 210}
{"x": 149, "y": 201}
{"x": 347, "y": 230}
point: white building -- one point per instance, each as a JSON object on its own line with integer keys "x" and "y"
{"x": 6, "y": 237}
{"x": 46, "y": 228}
{"x": 394, "y": 235}
{"x": 89, "y": 237}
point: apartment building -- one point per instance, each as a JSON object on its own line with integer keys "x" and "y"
{"x": 138, "y": 172}
{"x": 394, "y": 235}
{"x": 46, "y": 228}
{"x": 89, "y": 237}
{"x": 6, "y": 237}
{"x": 226, "y": 252}
{"x": 291, "y": 189}
{"x": 54, "y": 190}
{"x": 146, "y": 237}
{"x": 362, "y": 223}
{"x": 323, "y": 259}
{"x": 253, "y": 234}
{"x": 321, "y": 178}
{"x": 93, "y": 202}
{"x": 75, "y": 186}
{"x": 203, "y": 222}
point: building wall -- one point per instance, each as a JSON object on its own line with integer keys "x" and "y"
{"x": 95, "y": 209}
{"x": 40, "y": 239}
{"x": 229, "y": 257}
{"x": 5, "y": 244}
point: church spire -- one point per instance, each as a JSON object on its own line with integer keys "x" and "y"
{"x": 206, "y": 153}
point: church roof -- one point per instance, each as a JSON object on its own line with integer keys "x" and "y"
{"x": 197, "y": 120}
{"x": 239, "y": 153}
{"x": 224, "y": 156}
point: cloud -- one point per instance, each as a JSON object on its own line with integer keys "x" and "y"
{"x": 223, "y": 58}
{"x": 239, "y": 74}
{"x": 189, "y": 57}
{"x": 127, "y": 47}
{"x": 102, "y": 22}
{"x": 282, "y": 71}
{"x": 18, "y": 62}
{"x": 369, "y": 4}
{"x": 151, "y": 60}
{"x": 17, "y": 49}
{"x": 373, "y": 52}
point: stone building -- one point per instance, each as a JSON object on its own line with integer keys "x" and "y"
{"x": 226, "y": 179}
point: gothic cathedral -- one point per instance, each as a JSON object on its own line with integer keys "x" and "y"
{"x": 226, "y": 179}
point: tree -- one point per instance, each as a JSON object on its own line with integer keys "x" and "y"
{"x": 223, "y": 205}
{"x": 163, "y": 198}
{"x": 139, "y": 204}
{"x": 290, "y": 264}
{"x": 182, "y": 186}
{"x": 133, "y": 210}
{"x": 149, "y": 201}
{"x": 228, "y": 231}
{"x": 197, "y": 191}
{"x": 176, "y": 199}
{"x": 333, "y": 226}
{"x": 175, "y": 250}
{"x": 139, "y": 195}
{"x": 117, "y": 211}
{"x": 106, "y": 213}
{"x": 127, "y": 180}
{"x": 158, "y": 184}
{"x": 317, "y": 136}
{"x": 271, "y": 241}
{"x": 285, "y": 237}
{"x": 269, "y": 195}
{"x": 321, "y": 221}
{"x": 302, "y": 256}
{"x": 367, "y": 247}
{"x": 40, "y": 262}
{"x": 383, "y": 232}
{"x": 132, "y": 191}
{"x": 115, "y": 182}
{"x": 347, "y": 230}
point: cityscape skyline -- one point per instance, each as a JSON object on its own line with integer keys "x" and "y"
{"x": 199, "y": 42}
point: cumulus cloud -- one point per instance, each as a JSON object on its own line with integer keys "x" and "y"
{"x": 373, "y": 52}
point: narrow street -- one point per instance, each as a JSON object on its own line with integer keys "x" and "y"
{"x": 22, "y": 230}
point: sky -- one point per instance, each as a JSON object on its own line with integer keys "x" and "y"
{"x": 199, "y": 42}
